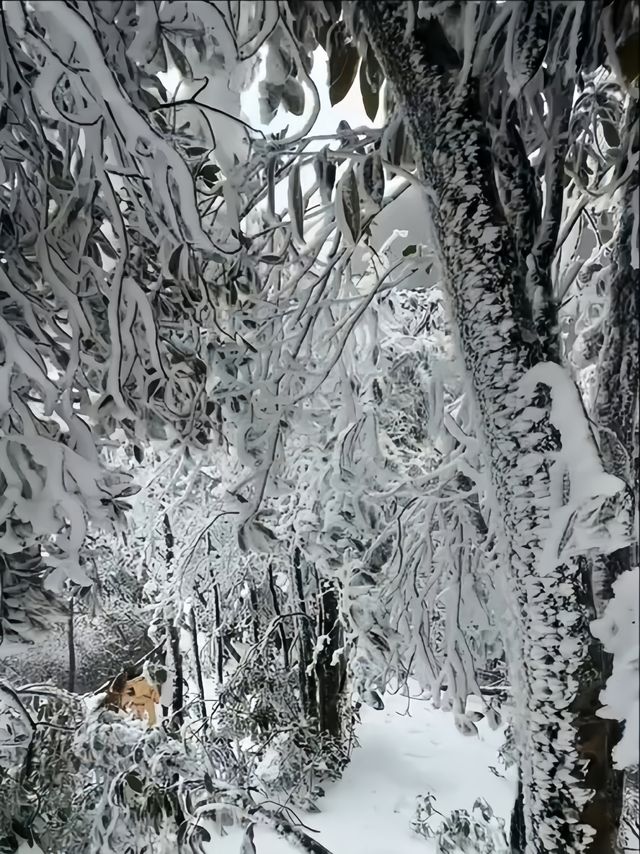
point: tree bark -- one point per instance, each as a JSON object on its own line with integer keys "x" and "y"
{"x": 615, "y": 405}
{"x": 193, "y": 625}
{"x": 71, "y": 684}
{"x": 615, "y": 411}
{"x": 173, "y": 635}
{"x": 177, "y": 697}
{"x": 329, "y": 674}
{"x": 284, "y": 640}
{"x": 306, "y": 678}
{"x": 219, "y": 639}
{"x": 547, "y": 631}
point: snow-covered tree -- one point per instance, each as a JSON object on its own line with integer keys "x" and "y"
{"x": 424, "y": 452}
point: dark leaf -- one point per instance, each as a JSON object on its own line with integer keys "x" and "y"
{"x": 269, "y": 534}
{"x": 409, "y": 250}
{"x": 174, "y": 261}
{"x": 370, "y": 83}
{"x": 271, "y": 187}
{"x": 293, "y": 96}
{"x": 296, "y": 205}
{"x": 373, "y": 178}
{"x": 106, "y": 248}
{"x": 179, "y": 60}
{"x": 209, "y": 173}
{"x": 629, "y": 57}
{"x": 60, "y": 183}
{"x": 611, "y": 134}
{"x": 351, "y": 203}
{"x": 196, "y": 151}
{"x": 343, "y": 63}
{"x": 369, "y": 97}
{"x": 135, "y": 783}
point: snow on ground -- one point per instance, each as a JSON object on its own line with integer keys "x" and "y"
{"x": 406, "y": 750}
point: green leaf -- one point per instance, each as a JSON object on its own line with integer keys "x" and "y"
{"x": 411, "y": 249}
{"x": 343, "y": 63}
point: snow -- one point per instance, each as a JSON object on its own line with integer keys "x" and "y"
{"x": 589, "y": 484}
{"x": 406, "y": 750}
{"x": 618, "y": 631}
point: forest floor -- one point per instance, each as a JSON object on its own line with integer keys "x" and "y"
{"x": 406, "y": 750}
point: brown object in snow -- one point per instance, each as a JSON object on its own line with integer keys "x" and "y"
{"x": 135, "y": 695}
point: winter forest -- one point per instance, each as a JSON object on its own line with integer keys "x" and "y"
{"x": 319, "y": 454}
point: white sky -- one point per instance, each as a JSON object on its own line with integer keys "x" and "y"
{"x": 350, "y": 109}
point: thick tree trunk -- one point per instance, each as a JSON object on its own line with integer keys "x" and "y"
{"x": 547, "y": 637}
{"x": 615, "y": 407}
{"x": 615, "y": 410}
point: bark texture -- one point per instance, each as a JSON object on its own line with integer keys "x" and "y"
{"x": 549, "y": 641}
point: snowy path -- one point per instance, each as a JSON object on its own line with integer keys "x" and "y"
{"x": 400, "y": 756}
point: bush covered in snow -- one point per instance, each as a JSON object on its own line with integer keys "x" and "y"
{"x": 282, "y": 751}
{"x": 480, "y": 832}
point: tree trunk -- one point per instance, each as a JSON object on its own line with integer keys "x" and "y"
{"x": 219, "y": 639}
{"x": 284, "y": 640}
{"x": 517, "y": 835}
{"x": 615, "y": 405}
{"x": 177, "y": 698}
{"x": 173, "y": 634}
{"x": 255, "y": 621}
{"x": 193, "y": 626}
{"x": 306, "y": 678}
{"x": 546, "y": 631}
{"x": 329, "y": 672}
{"x": 71, "y": 685}
{"x": 615, "y": 411}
